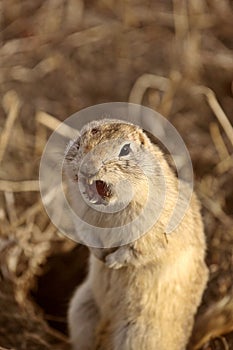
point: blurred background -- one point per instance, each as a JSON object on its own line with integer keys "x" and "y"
{"x": 59, "y": 56}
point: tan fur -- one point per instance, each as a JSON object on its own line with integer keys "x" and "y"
{"x": 143, "y": 295}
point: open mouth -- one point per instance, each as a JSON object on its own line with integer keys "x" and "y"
{"x": 97, "y": 192}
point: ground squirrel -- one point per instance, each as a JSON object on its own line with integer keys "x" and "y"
{"x": 142, "y": 295}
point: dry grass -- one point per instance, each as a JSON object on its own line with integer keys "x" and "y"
{"x": 60, "y": 56}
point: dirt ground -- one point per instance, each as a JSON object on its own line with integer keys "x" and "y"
{"x": 59, "y": 56}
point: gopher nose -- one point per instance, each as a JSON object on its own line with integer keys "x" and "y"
{"x": 88, "y": 169}
{"x": 87, "y": 175}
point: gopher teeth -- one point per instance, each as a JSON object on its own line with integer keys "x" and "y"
{"x": 90, "y": 182}
{"x": 94, "y": 200}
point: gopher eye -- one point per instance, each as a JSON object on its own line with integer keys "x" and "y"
{"x": 125, "y": 150}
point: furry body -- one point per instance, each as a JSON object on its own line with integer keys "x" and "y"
{"x": 142, "y": 295}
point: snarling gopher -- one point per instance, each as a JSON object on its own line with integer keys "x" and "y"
{"x": 144, "y": 293}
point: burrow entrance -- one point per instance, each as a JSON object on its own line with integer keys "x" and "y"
{"x": 63, "y": 272}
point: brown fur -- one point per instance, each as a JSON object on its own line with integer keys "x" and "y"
{"x": 143, "y": 295}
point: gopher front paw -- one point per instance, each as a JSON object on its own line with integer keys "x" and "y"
{"x": 112, "y": 263}
{"x": 120, "y": 258}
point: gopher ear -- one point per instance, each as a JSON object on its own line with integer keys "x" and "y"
{"x": 144, "y": 139}
{"x": 155, "y": 141}
{"x": 151, "y": 137}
